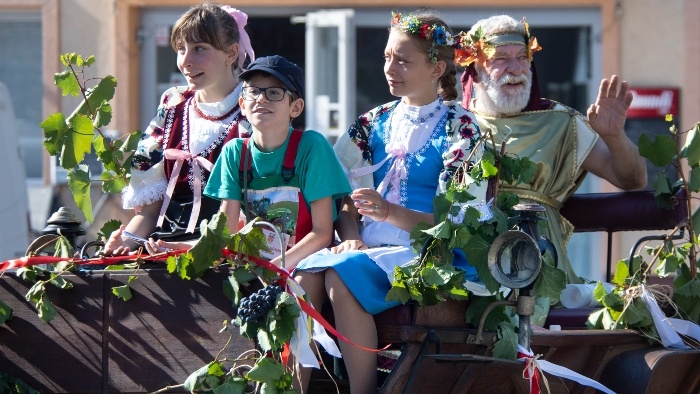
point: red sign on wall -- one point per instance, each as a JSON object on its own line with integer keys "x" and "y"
{"x": 653, "y": 102}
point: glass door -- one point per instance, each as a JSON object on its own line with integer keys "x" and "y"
{"x": 330, "y": 71}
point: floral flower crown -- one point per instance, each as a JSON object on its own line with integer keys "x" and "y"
{"x": 436, "y": 34}
{"x": 477, "y": 42}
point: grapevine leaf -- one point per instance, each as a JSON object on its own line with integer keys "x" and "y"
{"x": 660, "y": 152}
{"x": 231, "y": 386}
{"x": 477, "y": 251}
{"x": 211, "y": 382}
{"x": 216, "y": 369}
{"x": 249, "y": 240}
{"x": 439, "y": 231}
{"x": 687, "y": 297}
{"x": 668, "y": 265}
{"x": 124, "y": 292}
{"x": 180, "y": 264}
{"x": 550, "y": 282}
{"x": 398, "y": 292}
{"x": 506, "y": 346}
{"x": 103, "y": 116}
{"x": 622, "y": 272}
{"x": 60, "y": 282}
{"x": 207, "y": 251}
{"x": 108, "y": 228}
{"x": 595, "y": 319}
{"x": 477, "y": 306}
{"x": 488, "y": 169}
{"x": 96, "y": 96}
{"x": 55, "y": 128}
{"x": 5, "y": 312}
{"x": 67, "y": 82}
{"x": 79, "y": 184}
{"x": 634, "y": 316}
{"x": 266, "y": 370}
{"x": 191, "y": 383}
{"x": 104, "y": 153}
{"x": 662, "y": 186}
{"x": 282, "y": 320}
{"x": 694, "y": 182}
{"x": 29, "y": 274}
{"x": 46, "y": 310}
{"x": 63, "y": 248}
{"x": 112, "y": 183}
{"x": 35, "y": 292}
{"x": 77, "y": 141}
{"x": 131, "y": 142}
{"x": 691, "y": 149}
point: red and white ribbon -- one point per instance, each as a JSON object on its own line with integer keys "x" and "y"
{"x": 197, "y": 162}
{"x": 535, "y": 367}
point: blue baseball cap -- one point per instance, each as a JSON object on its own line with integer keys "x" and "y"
{"x": 291, "y": 75}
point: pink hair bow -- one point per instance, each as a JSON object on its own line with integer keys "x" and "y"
{"x": 197, "y": 162}
{"x": 241, "y": 19}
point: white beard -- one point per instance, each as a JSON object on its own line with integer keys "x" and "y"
{"x": 501, "y": 101}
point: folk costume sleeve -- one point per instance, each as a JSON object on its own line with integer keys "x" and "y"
{"x": 148, "y": 182}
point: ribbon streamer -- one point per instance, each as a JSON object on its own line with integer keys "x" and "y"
{"x": 197, "y": 163}
{"x": 562, "y": 372}
{"x": 29, "y": 261}
{"x": 241, "y": 19}
{"x": 669, "y": 328}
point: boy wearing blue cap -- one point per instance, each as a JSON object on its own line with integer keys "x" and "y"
{"x": 285, "y": 176}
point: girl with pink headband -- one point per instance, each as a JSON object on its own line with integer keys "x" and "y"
{"x": 172, "y": 162}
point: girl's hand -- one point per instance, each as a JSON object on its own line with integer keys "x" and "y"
{"x": 115, "y": 245}
{"x": 371, "y": 204}
{"x": 346, "y": 246}
{"x": 160, "y": 246}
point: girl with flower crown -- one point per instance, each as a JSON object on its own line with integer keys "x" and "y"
{"x": 173, "y": 159}
{"x": 396, "y": 156}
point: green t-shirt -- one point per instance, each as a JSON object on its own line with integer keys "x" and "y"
{"x": 316, "y": 165}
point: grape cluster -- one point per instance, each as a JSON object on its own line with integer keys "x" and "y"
{"x": 255, "y": 307}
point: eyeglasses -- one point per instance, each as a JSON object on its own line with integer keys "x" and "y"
{"x": 251, "y": 93}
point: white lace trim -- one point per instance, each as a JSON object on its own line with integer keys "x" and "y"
{"x": 145, "y": 187}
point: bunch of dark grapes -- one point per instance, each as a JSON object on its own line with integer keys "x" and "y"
{"x": 254, "y": 308}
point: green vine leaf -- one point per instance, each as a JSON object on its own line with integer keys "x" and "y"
{"x": 54, "y": 128}
{"x": 96, "y": 96}
{"x": 124, "y": 292}
{"x": 112, "y": 183}
{"x": 5, "y": 312}
{"x": 79, "y": 184}
{"x": 551, "y": 281}
{"x": 77, "y": 141}
{"x": 45, "y": 308}
{"x": 196, "y": 379}
{"x": 180, "y": 264}
{"x": 622, "y": 272}
{"x": 108, "y": 228}
{"x": 694, "y": 181}
{"x": 67, "y": 82}
{"x": 691, "y": 149}
{"x": 506, "y": 346}
{"x": 477, "y": 306}
{"x": 231, "y": 386}
{"x": 687, "y": 297}
{"x": 103, "y": 115}
{"x": 660, "y": 152}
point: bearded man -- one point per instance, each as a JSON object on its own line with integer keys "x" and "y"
{"x": 563, "y": 143}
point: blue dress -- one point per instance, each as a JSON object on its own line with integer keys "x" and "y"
{"x": 368, "y": 273}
